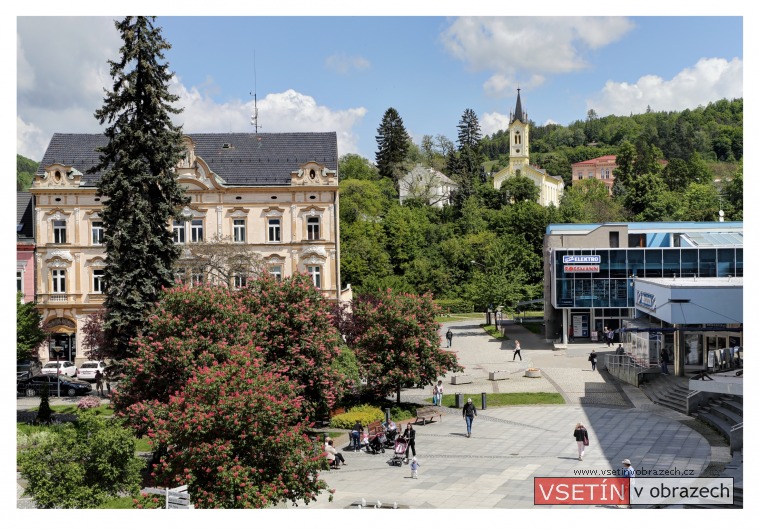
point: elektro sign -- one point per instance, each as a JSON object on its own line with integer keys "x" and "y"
{"x": 582, "y": 263}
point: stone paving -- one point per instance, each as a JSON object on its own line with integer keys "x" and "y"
{"x": 510, "y": 446}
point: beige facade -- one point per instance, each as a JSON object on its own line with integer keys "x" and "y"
{"x": 290, "y": 228}
{"x": 601, "y": 168}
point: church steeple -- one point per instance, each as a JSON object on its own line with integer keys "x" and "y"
{"x": 518, "y": 111}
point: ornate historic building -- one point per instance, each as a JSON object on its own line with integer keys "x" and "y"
{"x": 550, "y": 187}
{"x": 273, "y": 196}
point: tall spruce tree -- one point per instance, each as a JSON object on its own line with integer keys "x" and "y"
{"x": 392, "y": 145}
{"x": 142, "y": 194}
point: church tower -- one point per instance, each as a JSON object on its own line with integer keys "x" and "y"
{"x": 519, "y": 139}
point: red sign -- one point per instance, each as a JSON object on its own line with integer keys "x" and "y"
{"x": 582, "y": 268}
{"x": 581, "y": 490}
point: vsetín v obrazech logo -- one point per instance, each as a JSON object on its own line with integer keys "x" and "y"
{"x": 635, "y": 491}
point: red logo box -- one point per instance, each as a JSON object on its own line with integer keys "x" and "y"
{"x": 581, "y": 490}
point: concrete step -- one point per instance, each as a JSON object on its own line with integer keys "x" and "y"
{"x": 672, "y": 403}
{"x": 730, "y": 416}
{"x": 719, "y": 423}
{"x": 733, "y": 405}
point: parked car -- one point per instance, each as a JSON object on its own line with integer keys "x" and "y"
{"x": 32, "y": 386}
{"x": 60, "y": 367}
{"x": 88, "y": 370}
{"x": 29, "y": 368}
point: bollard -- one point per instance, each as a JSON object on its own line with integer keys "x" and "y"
{"x": 387, "y": 415}
{"x": 458, "y": 400}
{"x": 484, "y": 400}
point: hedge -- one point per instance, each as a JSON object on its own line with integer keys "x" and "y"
{"x": 455, "y": 305}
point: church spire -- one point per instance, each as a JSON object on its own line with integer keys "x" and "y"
{"x": 518, "y": 110}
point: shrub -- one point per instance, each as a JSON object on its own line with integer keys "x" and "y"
{"x": 44, "y": 413}
{"x": 366, "y": 414}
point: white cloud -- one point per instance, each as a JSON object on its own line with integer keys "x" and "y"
{"x": 288, "y": 111}
{"x": 344, "y": 64}
{"x": 492, "y": 122}
{"x": 709, "y": 80}
{"x": 525, "y": 49}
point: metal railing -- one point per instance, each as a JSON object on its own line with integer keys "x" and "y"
{"x": 624, "y": 368}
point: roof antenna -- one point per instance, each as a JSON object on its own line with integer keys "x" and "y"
{"x": 254, "y": 117}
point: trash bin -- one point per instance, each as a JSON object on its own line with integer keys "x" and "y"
{"x": 457, "y": 404}
{"x": 484, "y": 400}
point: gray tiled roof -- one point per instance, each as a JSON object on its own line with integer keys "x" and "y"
{"x": 24, "y": 216}
{"x": 244, "y": 159}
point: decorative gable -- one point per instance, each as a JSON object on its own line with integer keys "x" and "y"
{"x": 314, "y": 174}
{"x": 58, "y": 176}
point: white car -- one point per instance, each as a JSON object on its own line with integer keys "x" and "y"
{"x": 60, "y": 367}
{"x": 88, "y": 370}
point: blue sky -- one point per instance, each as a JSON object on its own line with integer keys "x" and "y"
{"x": 342, "y": 73}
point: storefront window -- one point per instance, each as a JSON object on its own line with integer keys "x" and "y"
{"x": 635, "y": 263}
{"x": 725, "y": 262}
{"x": 601, "y": 293}
{"x": 671, "y": 263}
{"x": 653, "y": 263}
{"x": 583, "y": 294}
{"x": 618, "y": 264}
{"x": 739, "y": 262}
{"x": 707, "y": 262}
{"x": 618, "y": 296}
{"x": 604, "y": 265}
{"x": 689, "y": 262}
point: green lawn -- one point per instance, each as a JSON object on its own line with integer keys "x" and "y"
{"x": 457, "y": 317}
{"x": 102, "y": 410}
{"x": 503, "y": 400}
{"x": 490, "y": 330}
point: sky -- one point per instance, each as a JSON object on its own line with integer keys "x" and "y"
{"x": 342, "y": 73}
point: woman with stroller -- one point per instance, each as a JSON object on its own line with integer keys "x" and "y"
{"x": 410, "y": 435}
{"x": 356, "y": 436}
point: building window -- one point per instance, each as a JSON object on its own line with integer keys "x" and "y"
{"x": 315, "y": 272}
{"x": 196, "y": 230}
{"x": 239, "y": 280}
{"x": 97, "y": 232}
{"x": 179, "y": 275}
{"x": 98, "y": 282}
{"x": 59, "y": 231}
{"x": 579, "y": 175}
{"x": 238, "y": 230}
{"x": 198, "y": 277}
{"x": 313, "y": 228}
{"x": 517, "y": 138}
{"x": 274, "y": 231}
{"x": 59, "y": 281}
{"x": 20, "y": 281}
{"x": 179, "y": 232}
{"x": 276, "y": 271}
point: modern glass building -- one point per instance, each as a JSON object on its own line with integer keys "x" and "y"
{"x": 591, "y": 272}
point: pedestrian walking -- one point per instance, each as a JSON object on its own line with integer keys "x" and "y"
{"x": 410, "y": 435}
{"x": 439, "y": 387}
{"x": 663, "y": 360}
{"x": 592, "y": 358}
{"x": 469, "y": 412}
{"x": 627, "y": 472}
{"x": 581, "y": 437}
{"x": 620, "y": 350}
{"x": 571, "y": 333}
{"x": 517, "y": 350}
{"x": 414, "y": 468}
{"x": 610, "y": 337}
{"x": 449, "y": 337}
{"x": 434, "y": 394}
{"x": 99, "y": 383}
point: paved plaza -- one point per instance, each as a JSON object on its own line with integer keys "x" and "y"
{"x": 512, "y": 445}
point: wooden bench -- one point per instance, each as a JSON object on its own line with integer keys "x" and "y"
{"x": 375, "y": 428}
{"x": 423, "y": 413}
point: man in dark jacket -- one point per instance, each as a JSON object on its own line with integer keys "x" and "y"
{"x": 469, "y": 412}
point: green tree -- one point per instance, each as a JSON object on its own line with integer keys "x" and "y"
{"x": 733, "y": 195}
{"x": 142, "y": 194}
{"x": 25, "y": 170}
{"x": 700, "y": 202}
{"x": 588, "y": 201}
{"x": 44, "y": 412}
{"x": 356, "y": 167}
{"x": 519, "y": 188}
{"x": 395, "y": 339}
{"x": 82, "y": 466}
{"x": 392, "y": 145}
{"x": 29, "y": 332}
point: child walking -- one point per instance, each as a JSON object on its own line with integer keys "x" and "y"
{"x": 414, "y": 468}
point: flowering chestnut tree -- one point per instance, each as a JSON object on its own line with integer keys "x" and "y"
{"x": 233, "y": 434}
{"x": 395, "y": 339}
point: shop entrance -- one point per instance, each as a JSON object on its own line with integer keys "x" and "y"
{"x": 62, "y": 345}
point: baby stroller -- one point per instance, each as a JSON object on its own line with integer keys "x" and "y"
{"x": 377, "y": 442}
{"x": 400, "y": 452}
{"x": 390, "y": 435}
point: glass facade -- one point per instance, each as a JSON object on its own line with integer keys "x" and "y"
{"x": 612, "y": 285}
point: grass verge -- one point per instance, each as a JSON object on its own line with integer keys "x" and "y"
{"x": 504, "y": 400}
{"x": 102, "y": 410}
{"x": 490, "y": 330}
